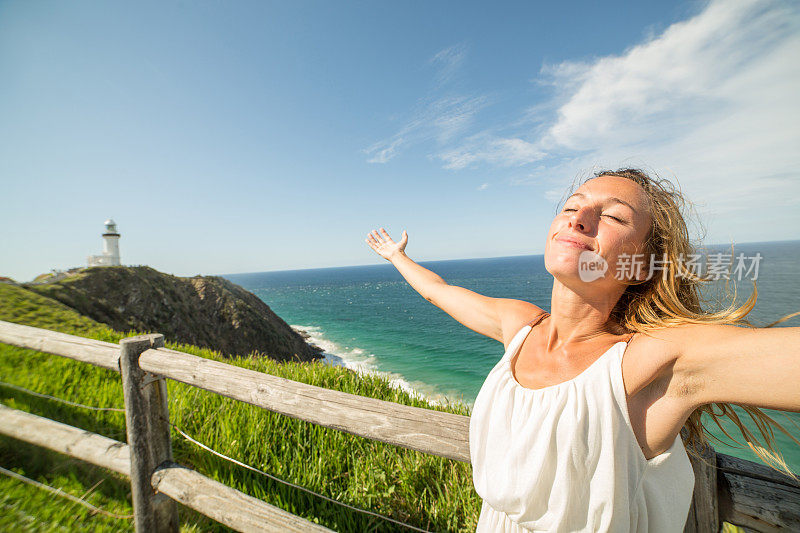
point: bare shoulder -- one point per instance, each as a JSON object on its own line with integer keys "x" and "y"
{"x": 514, "y": 314}
{"x": 669, "y": 342}
{"x": 658, "y": 340}
{"x": 652, "y": 361}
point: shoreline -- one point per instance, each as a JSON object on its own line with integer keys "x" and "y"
{"x": 364, "y": 364}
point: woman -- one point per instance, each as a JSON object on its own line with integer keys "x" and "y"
{"x": 559, "y": 439}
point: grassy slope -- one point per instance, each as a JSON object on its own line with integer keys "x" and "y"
{"x": 426, "y": 491}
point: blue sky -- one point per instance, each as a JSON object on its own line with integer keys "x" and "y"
{"x": 228, "y": 137}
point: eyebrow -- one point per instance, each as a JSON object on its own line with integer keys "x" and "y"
{"x": 611, "y": 198}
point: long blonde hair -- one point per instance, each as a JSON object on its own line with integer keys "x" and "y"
{"x": 674, "y": 298}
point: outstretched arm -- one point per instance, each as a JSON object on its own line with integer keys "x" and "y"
{"x": 488, "y": 316}
{"x": 730, "y": 364}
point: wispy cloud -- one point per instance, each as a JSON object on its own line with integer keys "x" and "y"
{"x": 695, "y": 72}
{"x": 500, "y": 151}
{"x": 384, "y": 151}
{"x": 440, "y": 120}
{"x": 440, "y": 116}
{"x": 711, "y": 100}
{"x": 448, "y": 62}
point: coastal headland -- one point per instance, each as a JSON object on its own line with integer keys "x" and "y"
{"x": 205, "y": 311}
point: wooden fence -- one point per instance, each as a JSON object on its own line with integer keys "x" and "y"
{"x": 737, "y": 491}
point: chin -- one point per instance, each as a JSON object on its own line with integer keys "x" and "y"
{"x": 562, "y": 266}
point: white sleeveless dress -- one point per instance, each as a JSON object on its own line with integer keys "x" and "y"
{"x": 564, "y": 458}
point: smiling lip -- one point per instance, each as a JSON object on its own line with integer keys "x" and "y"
{"x": 574, "y": 242}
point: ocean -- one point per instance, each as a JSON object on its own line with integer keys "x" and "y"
{"x": 368, "y": 318}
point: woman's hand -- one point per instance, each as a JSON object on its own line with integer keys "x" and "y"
{"x": 384, "y": 245}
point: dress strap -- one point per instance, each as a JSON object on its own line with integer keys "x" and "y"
{"x": 537, "y": 319}
{"x": 515, "y": 343}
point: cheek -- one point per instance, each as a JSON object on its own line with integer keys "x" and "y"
{"x": 622, "y": 241}
{"x": 626, "y": 244}
{"x": 558, "y": 224}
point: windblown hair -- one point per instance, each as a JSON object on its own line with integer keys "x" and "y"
{"x": 674, "y": 297}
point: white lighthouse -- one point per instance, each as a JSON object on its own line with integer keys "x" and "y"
{"x": 110, "y": 255}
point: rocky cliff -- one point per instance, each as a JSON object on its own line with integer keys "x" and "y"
{"x": 207, "y": 311}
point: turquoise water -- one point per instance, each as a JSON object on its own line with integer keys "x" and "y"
{"x": 369, "y": 319}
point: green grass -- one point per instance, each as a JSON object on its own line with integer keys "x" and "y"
{"x": 423, "y": 490}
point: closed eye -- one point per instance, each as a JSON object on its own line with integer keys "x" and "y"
{"x": 612, "y": 216}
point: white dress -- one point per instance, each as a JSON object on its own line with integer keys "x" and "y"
{"x": 564, "y": 458}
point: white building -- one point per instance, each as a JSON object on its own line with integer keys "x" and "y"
{"x": 110, "y": 255}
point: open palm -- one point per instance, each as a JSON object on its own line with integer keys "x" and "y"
{"x": 384, "y": 245}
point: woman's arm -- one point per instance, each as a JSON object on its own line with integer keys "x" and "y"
{"x": 731, "y": 364}
{"x": 482, "y": 314}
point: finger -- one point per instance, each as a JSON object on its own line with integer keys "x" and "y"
{"x": 377, "y": 236}
{"x": 386, "y": 235}
{"x": 371, "y": 238}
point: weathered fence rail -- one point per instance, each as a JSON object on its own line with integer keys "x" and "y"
{"x": 424, "y": 430}
{"x": 211, "y": 498}
{"x": 98, "y": 353}
{"x": 734, "y": 490}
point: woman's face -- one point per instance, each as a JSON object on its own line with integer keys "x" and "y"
{"x": 600, "y": 228}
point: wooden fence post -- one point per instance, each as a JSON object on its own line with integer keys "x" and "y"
{"x": 147, "y": 422}
{"x": 704, "y": 512}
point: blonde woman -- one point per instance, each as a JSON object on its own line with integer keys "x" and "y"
{"x": 578, "y": 426}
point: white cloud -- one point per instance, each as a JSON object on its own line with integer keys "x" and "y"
{"x": 483, "y": 187}
{"x": 497, "y": 150}
{"x": 382, "y": 152}
{"x": 711, "y": 102}
{"x": 439, "y": 119}
{"x": 695, "y": 72}
{"x": 440, "y": 116}
{"x": 449, "y": 62}
{"x": 554, "y": 195}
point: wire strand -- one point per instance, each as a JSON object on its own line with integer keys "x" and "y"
{"x": 223, "y": 456}
{"x": 74, "y": 404}
{"x": 59, "y": 492}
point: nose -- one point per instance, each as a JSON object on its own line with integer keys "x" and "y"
{"x": 582, "y": 219}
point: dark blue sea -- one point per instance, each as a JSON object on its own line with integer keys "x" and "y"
{"x": 368, "y": 318}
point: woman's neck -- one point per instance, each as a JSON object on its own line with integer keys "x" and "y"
{"x": 575, "y": 317}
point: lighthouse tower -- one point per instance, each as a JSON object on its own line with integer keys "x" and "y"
{"x": 110, "y": 255}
